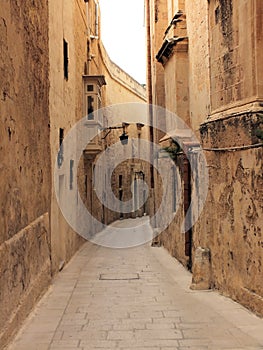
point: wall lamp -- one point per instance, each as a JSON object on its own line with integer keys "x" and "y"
{"x": 123, "y": 137}
{"x": 140, "y": 174}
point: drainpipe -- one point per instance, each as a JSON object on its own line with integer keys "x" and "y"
{"x": 150, "y": 97}
{"x": 149, "y": 79}
{"x": 149, "y": 53}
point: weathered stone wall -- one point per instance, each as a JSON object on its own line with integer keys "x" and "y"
{"x": 225, "y": 103}
{"x": 25, "y": 274}
{"x": 176, "y": 73}
{"x": 231, "y": 225}
{"x": 125, "y": 189}
{"x": 158, "y": 24}
{"x": 236, "y": 76}
{"x": 199, "y": 61}
{"x": 176, "y": 88}
{"x": 156, "y": 20}
{"x": 258, "y": 42}
{"x": 25, "y": 160}
{"x": 66, "y": 107}
{"x": 170, "y": 189}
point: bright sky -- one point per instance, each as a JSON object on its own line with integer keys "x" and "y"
{"x": 123, "y": 35}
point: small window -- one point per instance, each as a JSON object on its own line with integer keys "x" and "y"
{"x": 71, "y": 165}
{"x": 86, "y": 185}
{"x": 60, "y": 152}
{"x": 90, "y": 101}
{"x": 120, "y": 181}
{"x": 61, "y": 136}
{"x": 90, "y": 87}
{"x": 65, "y": 53}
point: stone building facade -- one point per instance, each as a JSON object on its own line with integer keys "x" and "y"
{"x": 208, "y": 59}
{"x": 66, "y": 32}
{"x": 25, "y": 160}
{"x": 57, "y": 49}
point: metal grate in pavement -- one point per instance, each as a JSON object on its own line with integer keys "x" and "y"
{"x": 119, "y": 276}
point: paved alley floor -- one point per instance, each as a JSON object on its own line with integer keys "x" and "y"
{"x": 136, "y": 298}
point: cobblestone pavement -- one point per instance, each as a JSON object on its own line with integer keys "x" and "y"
{"x": 137, "y": 298}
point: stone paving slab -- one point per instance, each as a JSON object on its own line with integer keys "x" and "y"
{"x": 156, "y": 311}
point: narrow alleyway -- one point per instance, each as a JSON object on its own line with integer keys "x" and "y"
{"x": 137, "y": 298}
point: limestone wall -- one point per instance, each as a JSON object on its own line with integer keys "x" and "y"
{"x": 159, "y": 22}
{"x": 170, "y": 189}
{"x": 25, "y": 160}
{"x": 236, "y": 76}
{"x": 176, "y": 84}
{"x": 25, "y": 274}
{"x": 199, "y": 61}
{"x": 65, "y": 107}
{"x": 231, "y": 224}
{"x": 156, "y": 20}
{"x": 225, "y": 104}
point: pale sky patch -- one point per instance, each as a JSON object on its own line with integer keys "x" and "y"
{"x": 123, "y": 35}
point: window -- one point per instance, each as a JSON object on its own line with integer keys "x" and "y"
{"x": 65, "y": 54}
{"x": 86, "y": 185}
{"x": 61, "y": 136}
{"x": 120, "y": 181}
{"x": 90, "y": 87}
{"x": 90, "y": 108}
{"x": 71, "y": 166}
{"x": 92, "y": 94}
{"x": 60, "y": 152}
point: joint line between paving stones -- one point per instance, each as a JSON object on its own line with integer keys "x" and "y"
{"x": 93, "y": 251}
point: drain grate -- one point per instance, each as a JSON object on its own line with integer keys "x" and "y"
{"x": 119, "y": 277}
